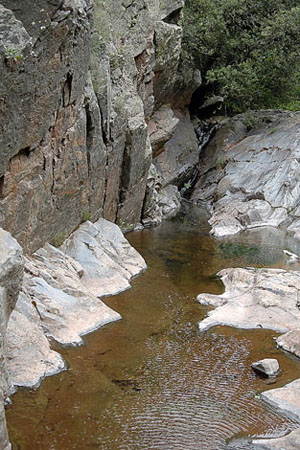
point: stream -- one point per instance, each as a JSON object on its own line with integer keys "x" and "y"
{"x": 152, "y": 381}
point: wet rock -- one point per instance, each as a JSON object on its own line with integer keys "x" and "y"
{"x": 268, "y": 367}
{"x": 11, "y": 275}
{"x": 248, "y": 176}
{"x": 290, "y": 341}
{"x": 210, "y": 106}
{"x": 288, "y": 442}
{"x": 60, "y": 297}
{"x": 255, "y": 298}
{"x": 291, "y": 257}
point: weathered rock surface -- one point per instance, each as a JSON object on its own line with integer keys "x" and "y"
{"x": 108, "y": 260}
{"x": 286, "y": 398}
{"x": 60, "y": 297}
{"x": 29, "y": 356}
{"x": 255, "y": 298}
{"x": 11, "y": 275}
{"x": 250, "y": 178}
{"x": 167, "y": 53}
{"x": 90, "y": 154}
{"x": 43, "y": 120}
{"x": 268, "y": 367}
{"x": 290, "y": 341}
{"x": 161, "y": 128}
{"x": 177, "y": 162}
{"x": 160, "y": 203}
{"x": 289, "y": 442}
{"x": 176, "y": 156}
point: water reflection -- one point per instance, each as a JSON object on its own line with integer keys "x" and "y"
{"x": 152, "y": 381}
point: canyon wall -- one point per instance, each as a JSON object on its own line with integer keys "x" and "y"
{"x": 75, "y": 104}
{"x": 91, "y": 94}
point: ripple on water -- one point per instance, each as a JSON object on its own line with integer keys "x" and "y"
{"x": 194, "y": 398}
{"x": 152, "y": 381}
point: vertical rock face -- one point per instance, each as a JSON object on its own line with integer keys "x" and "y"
{"x": 44, "y": 164}
{"x": 75, "y": 142}
{"x": 11, "y": 275}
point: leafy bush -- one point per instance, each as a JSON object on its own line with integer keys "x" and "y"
{"x": 247, "y": 50}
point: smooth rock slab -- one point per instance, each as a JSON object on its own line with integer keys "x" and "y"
{"x": 58, "y": 297}
{"x": 290, "y": 342}
{"x": 29, "y": 356}
{"x": 232, "y": 216}
{"x": 255, "y": 298}
{"x": 108, "y": 259}
{"x": 248, "y": 178}
{"x": 287, "y": 399}
{"x": 267, "y": 367}
{"x": 289, "y": 442}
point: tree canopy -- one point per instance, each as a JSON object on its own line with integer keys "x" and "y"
{"x": 248, "y": 51}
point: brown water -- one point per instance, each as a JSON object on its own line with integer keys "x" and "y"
{"x": 152, "y": 381}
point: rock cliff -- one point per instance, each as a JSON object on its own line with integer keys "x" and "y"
{"x": 79, "y": 83}
{"x": 91, "y": 93}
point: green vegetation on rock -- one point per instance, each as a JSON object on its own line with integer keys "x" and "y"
{"x": 247, "y": 50}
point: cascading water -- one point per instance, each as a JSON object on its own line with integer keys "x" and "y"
{"x": 205, "y": 130}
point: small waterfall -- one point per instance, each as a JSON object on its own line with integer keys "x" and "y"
{"x": 205, "y": 130}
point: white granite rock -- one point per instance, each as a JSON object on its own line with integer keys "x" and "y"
{"x": 289, "y": 442}
{"x": 29, "y": 355}
{"x": 60, "y": 297}
{"x": 290, "y": 342}
{"x": 108, "y": 259}
{"x": 255, "y": 298}
{"x": 268, "y": 367}
{"x": 250, "y": 178}
{"x": 287, "y": 399}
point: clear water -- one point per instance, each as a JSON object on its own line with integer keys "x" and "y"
{"x": 152, "y": 381}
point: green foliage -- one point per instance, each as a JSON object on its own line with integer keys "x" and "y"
{"x": 86, "y": 215}
{"x": 247, "y": 50}
{"x": 13, "y": 54}
{"x": 58, "y": 239}
{"x": 126, "y": 226}
{"x": 250, "y": 120}
{"x": 188, "y": 185}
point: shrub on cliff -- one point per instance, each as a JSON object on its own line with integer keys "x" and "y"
{"x": 247, "y": 50}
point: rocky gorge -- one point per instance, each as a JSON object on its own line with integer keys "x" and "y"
{"x": 87, "y": 89}
{"x": 95, "y": 131}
